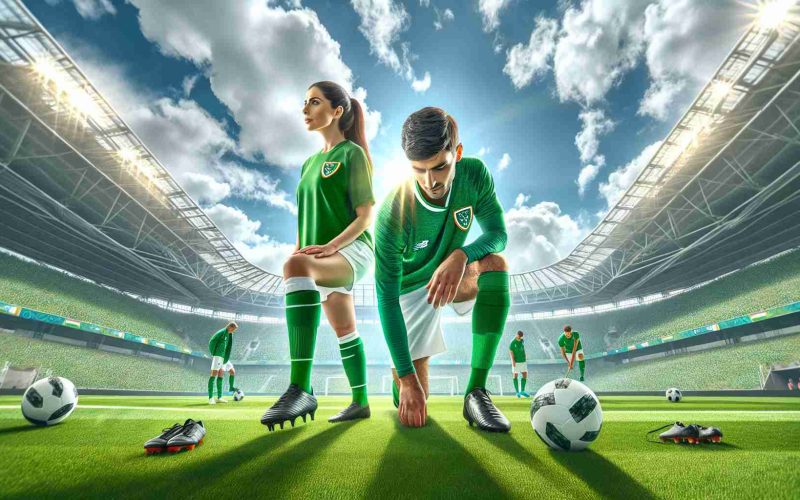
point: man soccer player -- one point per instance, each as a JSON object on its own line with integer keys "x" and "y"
{"x": 519, "y": 364}
{"x": 220, "y": 347}
{"x": 571, "y": 341}
{"x": 422, "y": 264}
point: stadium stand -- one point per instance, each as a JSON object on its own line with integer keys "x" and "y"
{"x": 772, "y": 283}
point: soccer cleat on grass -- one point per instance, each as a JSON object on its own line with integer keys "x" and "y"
{"x": 293, "y": 403}
{"x": 524, "y": 394}
{"x": 581, "y": 379}
{"x": 212, "y": 401}
{"x": 680, "y": 432}
{"x": 190, "y": 435}
{"x": 519, "y": 395}
{"x": 709, "y": 434}
{"x": 222, "y": 400}
{"x": 479, "y": 409}
{"x": 352, "y": 412}
{"x": 159, "y": 443}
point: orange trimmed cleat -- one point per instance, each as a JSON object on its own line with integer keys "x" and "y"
{"x": 190, "y": 435}
{"x": 159, "y": 443}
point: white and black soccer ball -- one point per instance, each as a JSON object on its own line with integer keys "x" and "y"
{"x": 49, "y": 401}
{"x": 566, "y": 415}
{"x": 673, "y": 395}
{"x": 238, "y": 395}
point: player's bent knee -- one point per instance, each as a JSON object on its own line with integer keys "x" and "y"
{"x": 580, "y": 357}
{"x": 297, "y": 265}
{"x": 493, "y": 262}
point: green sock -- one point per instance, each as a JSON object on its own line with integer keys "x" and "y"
{"x": 302, "y": 319}
{"x": 582, "y": 366}
{"x": 488, "y": 320}
{"x": 524, "y": 381}
{"x": 395, "y": 395}
{"x": 355, "y": 367}
{"x": 516, "y": 385}
{"x": 219, "y": 387}
{"x": 211, "y": 387}
{"x": 230, "y": 383}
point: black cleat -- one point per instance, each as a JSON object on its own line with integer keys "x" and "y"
{"x": 191, "y": 435}
{"x": 680, "y": 432}
{"x": 293, "y": 403}
{"x": 352, "y": 412}
{"x": 709, "y": 434}
{"x": 159, "y": 443}
{"x": 479, "y": 409}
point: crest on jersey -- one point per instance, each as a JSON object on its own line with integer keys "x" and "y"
{"x": 463, "y": 218}
{"x": 330, "y": 167}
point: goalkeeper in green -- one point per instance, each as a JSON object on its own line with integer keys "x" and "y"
{"x": 570, "y": 341}
{"x": 220, "y": 347}
{"x": 423, "y": 264}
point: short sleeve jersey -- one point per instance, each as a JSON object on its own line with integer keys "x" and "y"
{"x": 568, "y": 343}
{"x": 517, "y": 348}
{"x": 332, "y": 184}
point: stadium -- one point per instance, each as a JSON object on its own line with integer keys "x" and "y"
{"x": 113, "y": 277}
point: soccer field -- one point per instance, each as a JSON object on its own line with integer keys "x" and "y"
{"x": 97, "y": 453}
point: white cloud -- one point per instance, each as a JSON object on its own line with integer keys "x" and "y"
{"x": 188, "y": 141}
{"x": 422, "y": 85}
{"x": 505, "y": 161}
{"x": 425, "y": 3}
{"x": 244, "y": 233}
{"x": 539, "y": 235}
{"x": 620, "y": 179}
{"x": 259, "y": 66}
{"x": 483, "y": 151}
{"x": 587, "y": 175}
{"x": 382, "y": 23}
{"x": 524, "y": 63}
{"x": 188, "y": 84}
{"x": 686, "y": 41}
{"x": 587, "y": 140}
{"x": 90, "y": 9}
{"x": 490, "y": 11}
{"x": 600, "y": 42}
{"x": 442, "y": 17}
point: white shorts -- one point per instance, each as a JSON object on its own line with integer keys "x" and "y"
{"x": 520, "y": 367}
{"x": 578, "y": 355}
{"x": 228, "y": 367}
{"x": 361, "y": 258}
{"x": 216, "y": 363}
{"x": 423, "y": 323}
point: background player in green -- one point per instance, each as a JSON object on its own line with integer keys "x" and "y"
{"x": 422, "y": 264}
{"x": 519, "y": 364}
{"x": 219, "y": 346}
{"x": 570, "y": 341}
{"x": 334, "y": 251}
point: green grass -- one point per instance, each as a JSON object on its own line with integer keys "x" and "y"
{"x": 97, "y": 453}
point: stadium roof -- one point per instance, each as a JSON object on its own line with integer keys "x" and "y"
{"x": 80, "y": 190}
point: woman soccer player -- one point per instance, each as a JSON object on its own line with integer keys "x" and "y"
{"x": 334, "y": 251}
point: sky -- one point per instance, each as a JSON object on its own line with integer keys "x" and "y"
{"x": 565, "y": 101}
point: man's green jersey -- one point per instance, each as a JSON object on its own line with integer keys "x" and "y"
{"x": 221, "y": 344}
{"x": 568, "y": 343}
{"x": 517, "y": 348}
{"x": 331, "y": 186}
{"x": 413, "y": 236}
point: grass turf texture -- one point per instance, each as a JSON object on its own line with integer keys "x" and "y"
{"x": 97, "y": 453}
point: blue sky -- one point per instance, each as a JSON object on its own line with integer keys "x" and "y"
{"x": 564, "y": 100}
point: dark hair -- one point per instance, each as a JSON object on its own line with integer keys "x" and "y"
{"x": 427, "y": 132}
{"x": 519, "y": 332}
{"x": 352, "y": 121}
{"x": 567, "y": 328}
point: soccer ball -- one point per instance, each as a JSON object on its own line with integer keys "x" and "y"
{"x": 238, "y": 395}
{"x": 566, "y": 415}
{"x": 49, "y": 401}
{"x": 673, "y": 395}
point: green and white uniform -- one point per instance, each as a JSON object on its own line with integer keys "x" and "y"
{"x": 413, "y": 237}
{"x": 569, "y": 343}
{"x": 220, "y": 347}
{"x": 517, "y": 349}
{"x": 332, "y": 185}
